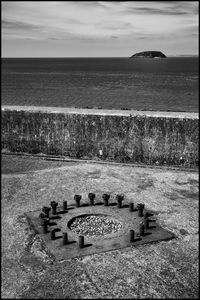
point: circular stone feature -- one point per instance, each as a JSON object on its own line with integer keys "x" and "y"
{"x": 94, "y": 225}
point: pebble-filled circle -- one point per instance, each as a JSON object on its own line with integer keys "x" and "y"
{"x": 95, "y": 225}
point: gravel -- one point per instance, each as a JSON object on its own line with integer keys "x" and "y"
{"x": 95, "y": 225}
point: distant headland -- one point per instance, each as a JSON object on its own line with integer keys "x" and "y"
{"x": 149, "y": 54}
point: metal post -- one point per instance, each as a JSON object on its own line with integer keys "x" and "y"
{"x": 119, "y": 200}
{"x": 45, "y": 228}
{"x": 140, "y": 212}
{"x": 131, "y": 206}
{"x": 105, "y": 199}
{"x": 91, "y": 196}
{"x": 132, "y": 236}
{"x": 46, "y": 210}
{"x": 119, "y": 203}
{"x": 65, "y": 238}
{"x": 54, "y": 209}
{"x": 141, "y": 229}
{"x": 52, "y": 234}
{"x": 42, "y": 216}
{"x": 77, "y": 203}
{"x": 105, "y": 202}
{"x": 77, "y": 198}
{"x": 140, "y": 209}
{"x": 44, "y": 223}
{"x": 64, "y": 205}
{"x": 81, "y": 241}
{"x": 54, "y": 205}
{"x": 146, "y": 223}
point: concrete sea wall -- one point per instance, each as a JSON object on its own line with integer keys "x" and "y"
{"x": 119, "y": 136}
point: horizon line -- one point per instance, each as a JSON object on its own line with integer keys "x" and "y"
{"x": 169, "y": 55}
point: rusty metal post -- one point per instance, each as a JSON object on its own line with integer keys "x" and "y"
{"x": 105, "y": 202}
{"x": 44, "y": 223}
{"x": 119, "y": 203}
{"x": 77, "y": 198}
{"x": 65, "y": 238}
{"x": 77, "y": 203}
{"x": 141, "y": 229}
{"x": 131, "y": 206}
{"x": 53, "y": 234}
{"x": 42, "y": 216}
{"x": 140, "y": 207}
{"x": 81, "y": 241}
{"x": 46, "y": 210}
{"x": 119, "y": 200}
{"x": 105, "y": 199}
{"x": 140, "y": 211}
{"x": 146, "y": 223}
{"x": 64, "y": 205}
{"x": 54, "y": 205}
{"x": 45, "y": 228}
{"x": 42, "y": 220}
{"x": 132, "y": 236}
{"x": 91, "y": 196}
{"x": 91, "y": 202}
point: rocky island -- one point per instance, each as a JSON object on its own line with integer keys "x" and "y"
{"x": 149, "y": 54}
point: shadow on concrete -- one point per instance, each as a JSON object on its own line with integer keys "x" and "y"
{"x": 147, "y": 233}
{"x": 98, "y": 203}
{"x": 52, "y": 223}
{"x": 151, "y": 227}
{"x": 55, "y": 217}
{"x": 87, "y": 245}
{"x": 58, "y": 237}
{"x": 137, "y": 239}
{"x": 84, "y": 205}
{"x": 62, "y": 212}
{"x": 112, "y": 204}
{"x": 125, "y": 206}
{"x": 70, "y": 242}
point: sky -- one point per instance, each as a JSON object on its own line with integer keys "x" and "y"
{"x": 98, "y": 28}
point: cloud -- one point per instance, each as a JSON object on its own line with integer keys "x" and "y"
{"x": 98, "y": 21}
{"x": 155, "y": 11}
{"x": 17, "y": 25}
{"x": 167, "y": 8}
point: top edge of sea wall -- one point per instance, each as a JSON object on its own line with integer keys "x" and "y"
{"x": 102, "y": 112}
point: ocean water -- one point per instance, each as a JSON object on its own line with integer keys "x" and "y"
{"x": 169, "y": 84}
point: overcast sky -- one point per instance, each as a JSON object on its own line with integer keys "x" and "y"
{"x": 98, "y": 28}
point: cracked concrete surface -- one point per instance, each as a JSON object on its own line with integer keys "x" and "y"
{"x": 160, "y": 270}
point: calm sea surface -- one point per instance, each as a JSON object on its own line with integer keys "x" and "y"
{"x": 169, "y": 84}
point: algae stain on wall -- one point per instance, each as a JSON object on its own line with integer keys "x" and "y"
{"x": 132, "y": 139}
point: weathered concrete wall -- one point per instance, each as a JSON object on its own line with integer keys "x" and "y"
{"x": 132, "y": 138}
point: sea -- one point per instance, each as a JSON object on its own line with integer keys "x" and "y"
{"x": 169, "y": 84}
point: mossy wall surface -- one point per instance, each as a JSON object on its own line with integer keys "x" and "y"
{"x": 131, "y": 139}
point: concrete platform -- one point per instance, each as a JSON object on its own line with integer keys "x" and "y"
{"x": 95, "y": 244}
{"x": 167, "y": 269}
